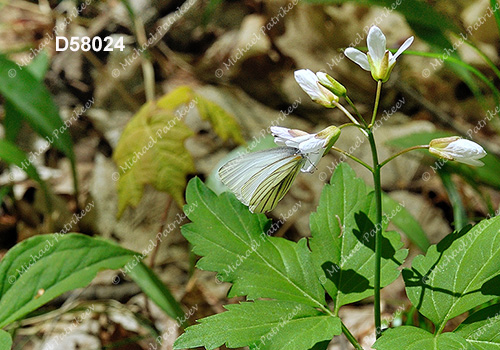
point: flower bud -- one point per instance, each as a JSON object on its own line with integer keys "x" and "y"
{"x": 309, "y": 82}
{"x": 331, "y": 84}
{"x": 457, "y": 149}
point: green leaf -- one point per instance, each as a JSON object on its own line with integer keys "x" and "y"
{"x": 11, "y": 154}
{"x": 4, "y": 190}
{"x": 13, "y": 120}
{"x": 343, "y": 240}
{"x": 403, "y": 219}
{"x": 413, "y": 338}
{"x": 233, "y": 242}
{"x": 494, "y": 6}
{"x": 34, "y": 103}
{"x": 488, "y": 174}
{"x": 39, "y": 65}
{"x": 459, "y": 214}
{"x": 5, "y": 340}
{"x": 151, "y": 151}
{"x": 223, "y": 123}
{"x": 481, "y": 328}
{"x": 263, "y": 324}
{"x": 458, "y": 274}
{"x": 43, "y": 267}
{"x": 154, "y": 288}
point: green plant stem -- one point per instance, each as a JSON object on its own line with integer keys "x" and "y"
{"x": 353, "y": 158}
{"x": 378, "y": 203}
{"x": 481, "y": 54}
{"x": 493, "y": 4}
{"x": 352, "y": 124}
{"x": 355, "y": 110}
{"x": 403, "y": 152}
{"x": 346, "y": 112}
{"x": 349, "y": 115}
{"x": 350, "y": 337}
{"x": 377, "y": 101}
{"x": 378, "y": 238}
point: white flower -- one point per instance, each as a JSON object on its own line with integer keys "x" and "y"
{"x": 310, "y": 83}
{"x": 458, "y": 149}
{"x": 312, "y": 146}
{"x": 378, "y": 60}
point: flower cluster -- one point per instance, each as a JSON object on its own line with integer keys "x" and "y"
{"x": 261, "y": 179}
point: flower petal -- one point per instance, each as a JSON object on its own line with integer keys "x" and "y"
{"x": 401, "y": 49}
{"x": 470, "y": 161}
{"x": 376, "y": 44}
{"x": 358, "y": 57}
{"x": 308, "y": 81}
{"x": 312, "y": 144}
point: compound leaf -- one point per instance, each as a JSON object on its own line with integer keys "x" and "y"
{"x": 5, "y": 340}
{"x": 413, "y": 338}
{"x": 458, "y": 274}
{"x": 263, "y": 324}
{"x": 233, "y": 242}
{"x": 481, "y": 328}
{"x": 343, "y": 240}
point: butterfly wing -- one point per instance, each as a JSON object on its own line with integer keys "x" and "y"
{"x": 275, "y": 186}
{"x": 245, "y": 175}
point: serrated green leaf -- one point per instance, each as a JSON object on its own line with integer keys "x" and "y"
{"x": 223, "y": 123}
{"x": 43, "y": 267}
{"x": 343, "y": 240}
{"x": 458, "y": 274}
{"x": 5, "y": 340}
{"x": 233, "y": 242}
{"x": 481, "y": 328}
{"x": 403, "y": 219}
{"x": 263, "y": 324}
{"x": 151, "y": 151}
{"x": 413, "y": 338}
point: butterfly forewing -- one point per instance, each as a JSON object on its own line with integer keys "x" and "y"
{"x": 252, "y": 174}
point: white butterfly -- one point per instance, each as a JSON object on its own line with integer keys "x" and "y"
{"x": 261, "y": 179}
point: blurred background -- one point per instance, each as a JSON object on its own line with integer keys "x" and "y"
{"x": 223, "y": 72}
